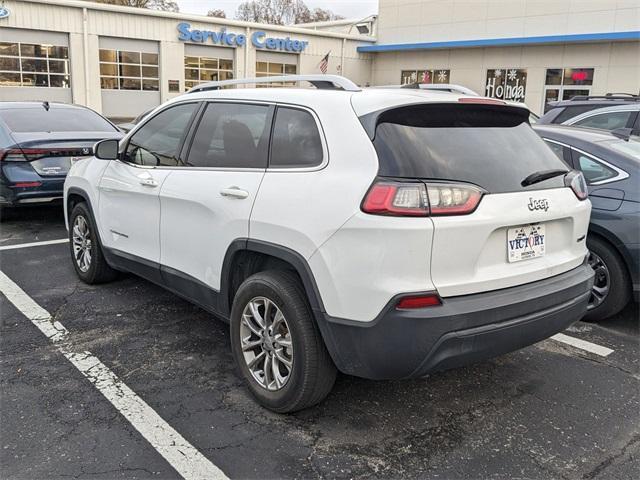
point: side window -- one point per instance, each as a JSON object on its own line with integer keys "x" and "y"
{"x": 296, "y": 140}
{"x": 606, "y": 121}
{"x": 232, "y": 135}
{"x": 560, "y": 151}
{"x": 593, "y": 170}
{"x": 573, "y": 111}
{"x": 157, "y": 143}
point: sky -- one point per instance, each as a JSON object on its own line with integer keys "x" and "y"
{"x": 346, "y": 8}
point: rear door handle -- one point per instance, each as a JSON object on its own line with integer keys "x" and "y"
{"x": 234, "y": 192}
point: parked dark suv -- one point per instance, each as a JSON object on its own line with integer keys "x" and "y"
{"x": 38, "y": 143}
{"x": 562, "y": 110}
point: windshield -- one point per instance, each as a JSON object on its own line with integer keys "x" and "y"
{"x": 495, "y": 149}
{"x": 38, "y": 119}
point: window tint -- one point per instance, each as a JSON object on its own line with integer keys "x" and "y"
{"x": 158, "y": 141}
{"x": 231, "y": 135}
{"x": 559, "y": 150}
{"x": 56, "y": 119}
{"x": 606, "y": 121}
{"x": 594, "y": 171}
{"x": 574, "y": 111}
{"x": 492, "y": 147}
{"x": 296, "y": 140}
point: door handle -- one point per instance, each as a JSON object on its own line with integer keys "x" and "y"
{"x": 234, "y": 192}
{"x": 148, "y": 182}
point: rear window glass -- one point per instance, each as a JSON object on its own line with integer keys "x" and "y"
{"x": 55, "y": 120}
{"x": 492, "y": 147}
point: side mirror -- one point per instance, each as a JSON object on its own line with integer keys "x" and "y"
{"x": 106, "y": 149}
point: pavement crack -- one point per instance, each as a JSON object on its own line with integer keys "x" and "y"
{"x": 608, "y": 461}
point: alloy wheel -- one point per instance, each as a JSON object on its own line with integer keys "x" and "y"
{"x": 81, "y": 240}
{"x": 601, "y": 282}
{"x": 266, "y": 343}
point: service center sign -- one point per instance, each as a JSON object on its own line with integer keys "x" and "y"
{"x": 258, "y": 39}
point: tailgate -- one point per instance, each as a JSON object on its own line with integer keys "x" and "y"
{"x": 472, "y": 255}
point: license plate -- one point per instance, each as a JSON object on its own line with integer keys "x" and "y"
{"x": 526, "y": 242}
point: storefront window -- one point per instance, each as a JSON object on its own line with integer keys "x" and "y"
{"x": 126, "y": 70}
{"x": 408, "y": 77}
{"x": 506, "y": 84}
{"x": 206, "y": 69}
{"x": 33, "y": 65}
{"x": 274, "y": 69}
{"x": 565, "y": 83}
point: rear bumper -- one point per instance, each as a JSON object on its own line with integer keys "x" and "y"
{"x": 50, "y": 190}
{"x": 465, "y": 329}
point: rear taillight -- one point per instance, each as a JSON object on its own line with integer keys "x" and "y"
{"x": 413, "y": 199}
{"x": 31, "y": 154}
{"x": 453, "y": 198}
{"x": 411, "y": 302}
{"x": 575, "y": 180}
{"x": 12, "y": 155}
{"x": 398, "y": 199}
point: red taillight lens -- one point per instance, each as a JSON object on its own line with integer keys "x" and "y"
{"x": 417, "y": 199}
{"x": 12, "y": 155}
{"x": 575, "y": 180}
{"x": 419, "y": 301}
{"x": 453, "y": 198}
{"x": 397, "y": 199}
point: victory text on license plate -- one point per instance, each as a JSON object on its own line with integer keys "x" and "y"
{"x": 525, "y": 242}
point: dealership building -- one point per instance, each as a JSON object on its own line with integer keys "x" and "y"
{"x": 121, "y": 61}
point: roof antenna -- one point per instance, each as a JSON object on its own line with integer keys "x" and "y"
{"x": 46, "y": 105}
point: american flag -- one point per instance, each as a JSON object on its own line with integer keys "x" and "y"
{"x": 324, "y": 63}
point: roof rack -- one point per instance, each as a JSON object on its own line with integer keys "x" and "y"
{"x": 607, "y": 96}
{"x": 321, "y": 82}
{"x": 447, "y": 87}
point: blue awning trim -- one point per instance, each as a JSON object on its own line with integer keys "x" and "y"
{"x": 503, "y": 42}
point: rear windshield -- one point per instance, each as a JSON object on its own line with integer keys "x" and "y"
{"x": 493, "y": 147}
{"x": 55, "y": 120}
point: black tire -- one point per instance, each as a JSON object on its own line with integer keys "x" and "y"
{"x": 312, "y": 373}
{"x": 98, "y": 270}
{"x": 610, "y": 271}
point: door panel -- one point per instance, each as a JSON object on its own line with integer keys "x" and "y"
{"x": 129, "y": 204}
{"x": 201, "y": 215}
{"x": 129, "y": 209}
{"x": 206, "y": 204}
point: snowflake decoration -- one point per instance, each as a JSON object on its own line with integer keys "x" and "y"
{"x": 497, "y": 73}
{"x": 512, "y": 75}
{"x": 442, "y": 76}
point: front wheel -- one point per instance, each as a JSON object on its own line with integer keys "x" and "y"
{"x": 611, "y": 286}
{"x": 276, "y": 344}
{"x": 86, "y": 253}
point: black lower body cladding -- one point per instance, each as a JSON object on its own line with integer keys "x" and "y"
{"x": 463, "y": 330}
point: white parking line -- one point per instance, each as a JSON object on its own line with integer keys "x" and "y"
{"x": 582, "y": 344}
{"x": 34, "y": 244}
{"x": 182, "y": 456}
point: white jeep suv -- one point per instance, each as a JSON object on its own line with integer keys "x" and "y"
{"x": 382, "y": 233}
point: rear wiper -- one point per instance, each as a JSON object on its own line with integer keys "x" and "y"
{"x": 541, "y": 176}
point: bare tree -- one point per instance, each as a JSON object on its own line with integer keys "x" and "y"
{"x": 281, "y": 12}
{"x": 163, "y": 5}
{"x": 217, "y": 12}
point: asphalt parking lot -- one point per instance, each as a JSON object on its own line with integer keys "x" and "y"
{"x": 551, "y": 410}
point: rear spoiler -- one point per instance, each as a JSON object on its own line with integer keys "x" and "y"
{"x": 470, "y": 105}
